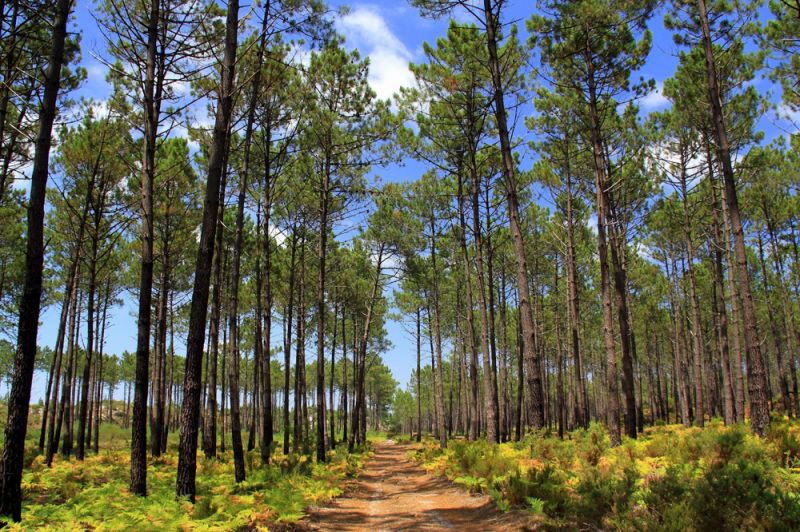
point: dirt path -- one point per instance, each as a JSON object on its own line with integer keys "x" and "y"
{"x": 393, "y": 493}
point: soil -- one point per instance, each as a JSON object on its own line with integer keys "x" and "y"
{"x": 394, "y": 493}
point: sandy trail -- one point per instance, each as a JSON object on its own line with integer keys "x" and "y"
{"x": 393, "y": 493}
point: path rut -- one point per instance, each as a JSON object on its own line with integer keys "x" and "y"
{"x": 393, "y": 493}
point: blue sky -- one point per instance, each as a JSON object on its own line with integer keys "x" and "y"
{"x": 391, "y": 34}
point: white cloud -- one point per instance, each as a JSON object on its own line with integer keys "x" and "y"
{"x": 277, "y": 234}
{"x": 299, "y": 55}
{"x": 97, "y": 72}
{"x": 99, "y": 109}
{"x": 181, "y": 88}
{"x": 365, "y": 28}
{"x": 788, "y": 113}
{"x": 655, "y": 99}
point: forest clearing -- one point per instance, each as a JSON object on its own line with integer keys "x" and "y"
{"x": 481, "y": 265}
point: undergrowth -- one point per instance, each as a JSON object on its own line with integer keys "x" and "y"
{"x": 670, "y": 478}
{"x": 94, "y": 494}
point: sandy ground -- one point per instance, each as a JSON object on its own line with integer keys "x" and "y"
{"x": 393, "y": 493}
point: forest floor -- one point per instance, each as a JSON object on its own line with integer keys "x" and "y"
{"x": 394, "y": 493}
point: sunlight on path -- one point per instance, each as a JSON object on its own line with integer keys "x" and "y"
{"x": 393, "y": 493}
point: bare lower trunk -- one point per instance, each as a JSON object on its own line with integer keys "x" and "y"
{"x": 28, "y": 325}
{"x": 759, "y": 408}
{"x": 190, "y": 411}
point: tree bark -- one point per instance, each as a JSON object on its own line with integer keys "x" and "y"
{"x": 526, "y": 312}
{"x": 30, "y": 302}
{"x": 759, "y": 408}
{"x": 489, "y": 375}
{"x": 697, "y": 331}
{"x": 190, "y": 410}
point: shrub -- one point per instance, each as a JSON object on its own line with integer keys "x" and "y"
{"x": 601, "y": 493}
{"x": 545, "y": 484}
{"x": 785, "y": 442}
{"x": 740, "y": 495}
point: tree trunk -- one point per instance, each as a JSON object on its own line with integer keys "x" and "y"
{"x": 612, "y": 410}
{"x": 287, "y": 344}
{"x": 474, "y": 426}
{"x": 574, "y": 315}
{"x": 783, "y": 381}
{"x": 332, "y": 435}
{"x": 697, "y": 332}
{"x": 759, "y": 408}
{"x": 300, "y": 358}
{"x": 233, "y": 318}
{"x": 30, "y": 302}
{"x": 489, "y": 375}
{"x": 190, "y": 411}
{"x": 322, "y": 252}
{"x": 729, "y": 410}
{"x": 138, "y": 484}
{"x": 438, "y": 376}
{"x": 528, "y": 330}
{"x": 419, "y": 374}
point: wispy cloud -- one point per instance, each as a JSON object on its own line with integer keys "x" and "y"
{"x": 655, "y": 99}
{"x": 366, "y": 29}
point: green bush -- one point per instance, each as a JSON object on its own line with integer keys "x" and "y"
{"x": 545, "y": 484}
{"x": 603, "y": 493}
{"x": 786, "y": 444}
{"x": 670, "y": 478}
{"x": 740, "y": 495}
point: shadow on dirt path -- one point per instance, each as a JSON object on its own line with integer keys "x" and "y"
{"x": 393, "y": 493}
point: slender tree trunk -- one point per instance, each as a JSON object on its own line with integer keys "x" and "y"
{"x": 729, "y": 410}
{"x": 560, "y": 401}
{"x": 322, "y": 251}
{"x": 505, "y": 414}
{"x": 267, "y": 438}
{"x": 474, "y": 427}
{"x": 788, "y": 324}
{"x": 783, "y": 381}
{"x": 233, "y": 318}
{"x": 491, "y": 294}
{"x": 160, "y": 353}
{"x": 438, "y": 375}
{"x": 90, "y": 333}
{"x": 489, "y": 376}
{"x": 360, "y": 411}
{"x": 528, "y": 329}
{"x": 190, "y": 411}
{"x": 574, "y": 314}
{"x": 334, "y": 328}
{"x": 65, "y": 416}
{"x": 681, "y": 385}
{"x": 261, "y": 357}
{"x": 759, "y": 408}
{"x": 697, "y": 331}
{"x": 419, "y": 374}
{"x": 299, "y": 366}
{"x": 70, "y": 297}
{"x": 344, "y": 375}
{"x": 287, "y": 345}
{"x": 612, "y": 410}
{"x": 138, "y": 484}
{"x": 30, "y": 302}
{"x": 210, "y": 419}
{"x": 520, "y": 382}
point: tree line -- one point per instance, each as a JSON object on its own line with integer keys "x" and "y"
{"x": 657, "y": 250}
{"x": 641, "y": 269}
